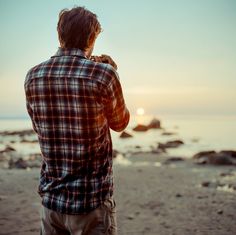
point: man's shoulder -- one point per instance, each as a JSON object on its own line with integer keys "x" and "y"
{"x": 99, "y": 72}
{"x": 35, "y": 71}
{"x": 104, "y": 73}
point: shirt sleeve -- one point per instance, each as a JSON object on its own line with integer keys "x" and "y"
{"x": 115, "y": 108}
{"x": 30, "y": 111}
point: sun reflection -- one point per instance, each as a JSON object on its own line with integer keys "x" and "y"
{"x": 140, "y": 115}
{"x": 140, "y": 111}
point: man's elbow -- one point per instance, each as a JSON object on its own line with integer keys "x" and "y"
{"x": 118, "y": 127}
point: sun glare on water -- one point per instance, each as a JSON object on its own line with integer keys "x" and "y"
{"x": 140, "y": 111}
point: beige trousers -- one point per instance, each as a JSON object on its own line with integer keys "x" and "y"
{"x": 98, "y": 222}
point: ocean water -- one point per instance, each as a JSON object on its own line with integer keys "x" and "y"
{"x": 199, "y": 133}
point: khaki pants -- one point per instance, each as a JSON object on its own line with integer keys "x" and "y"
{"x": 98, "y": 222}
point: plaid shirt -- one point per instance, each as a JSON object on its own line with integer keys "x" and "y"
{"x": 72, "y": 102}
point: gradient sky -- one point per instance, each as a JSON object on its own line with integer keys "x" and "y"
{"x": 174, "y": 56}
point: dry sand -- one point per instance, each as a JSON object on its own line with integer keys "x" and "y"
{"x": 151, "y": 199}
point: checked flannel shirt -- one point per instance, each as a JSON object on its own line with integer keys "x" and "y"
{"x": 72, "y": 102}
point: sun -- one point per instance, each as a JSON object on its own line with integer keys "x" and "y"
{"x": 140, "y": 111}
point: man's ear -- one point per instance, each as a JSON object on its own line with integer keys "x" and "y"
{"x": 91, "y": 39}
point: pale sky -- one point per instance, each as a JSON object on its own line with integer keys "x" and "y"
{"x": 173, "y": 56}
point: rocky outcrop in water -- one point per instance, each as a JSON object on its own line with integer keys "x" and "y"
{"x": 154, "y": 124}
{"x": 20, "y": 133}
{"x": 170, "y": 144}
{"x": 125, "y": 134}
{"x": 140, "y": 128}
{"x": 226, "y": 157}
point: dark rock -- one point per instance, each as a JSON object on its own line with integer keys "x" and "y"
{"x": 224, "y": 174}
{"x": 220, "y": 212}
{"x": 214, "y": 158}
{"x": 8, "y": 148}
{"x": 20, "y": 133}
{"x": 29, "y": 141}
{"x": 130, "y": 217}
{"x": 158, "y": 150}
{"x": 173, "y": 159}
{"x": 154, "y": 124}
{"x": 205, "y": 184}
{"x": 168, "y": 133}
{"x": 203, "y": 154}
{"x": 231, "y": 153}
{"x": 201, "y": 161}
{"x": 213, "y": 184}
{"x": 141, "y": 128}
{"x": 33, "y": 162}
{"x": 115, "y": 153}
{"x": 125, "y": 134}
{"x": 170, "y": 144}
{"x": 201, "y": 197}
{"x": 178, "y": 195}
{"x": 221, "y": 159}
{"x": 19, "y": 163}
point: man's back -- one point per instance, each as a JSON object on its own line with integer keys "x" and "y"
{"x": 73, "y": 102}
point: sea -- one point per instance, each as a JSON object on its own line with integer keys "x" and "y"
{"x": 199, "y": 133}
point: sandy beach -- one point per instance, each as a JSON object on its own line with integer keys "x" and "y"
{"x": 153, "y": 196}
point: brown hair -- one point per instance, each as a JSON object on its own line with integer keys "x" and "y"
{"x": 76, "y": 27}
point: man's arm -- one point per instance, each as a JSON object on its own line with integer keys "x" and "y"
{"x": 115, "y": 109}
{"x": 104, "y": 59}
{"x": 30, "y": 111}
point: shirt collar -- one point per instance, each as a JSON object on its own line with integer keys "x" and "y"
{"x": 69, "y": 52}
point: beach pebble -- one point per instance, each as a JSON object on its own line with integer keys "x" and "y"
{"x": 130, "y": 217}
{"x": 220, "y": 212}
{"x": 224, "y": 174}
{"x": 19, "y": 164}
{"x": 210, "y": 184}
{"x": 8, "y": 148}
{"x": 115, "y": 153}
{"x": 205, "y": 184}
{"x": 173, "y": 159}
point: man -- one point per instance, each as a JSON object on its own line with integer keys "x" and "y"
{"x": 73, "y": 99}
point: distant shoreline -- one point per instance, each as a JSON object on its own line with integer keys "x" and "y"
{"x": 161, "y": 116}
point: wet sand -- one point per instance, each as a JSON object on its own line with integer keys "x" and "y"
{"x": 152, "y": 199}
